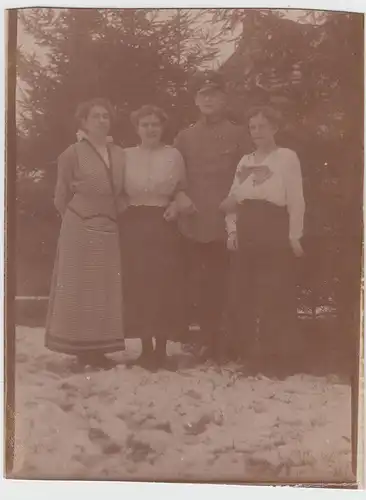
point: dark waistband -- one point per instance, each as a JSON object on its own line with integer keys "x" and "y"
{"x": 89, "y": 217}
{"x": 262, "y": 204}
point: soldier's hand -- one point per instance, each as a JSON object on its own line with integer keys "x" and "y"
{"x": 232, "y": 242}
{"x": 184, "y": 204}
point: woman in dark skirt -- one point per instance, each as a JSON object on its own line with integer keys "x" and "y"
{"x": 265, "y": 211}
{"x": 150, "y": 247}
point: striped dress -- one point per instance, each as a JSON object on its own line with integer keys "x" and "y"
{"x": 85, "y": 307}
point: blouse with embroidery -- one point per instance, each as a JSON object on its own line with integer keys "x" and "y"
{"x": 153, "y": 176}
{"x": 276, "y": 179}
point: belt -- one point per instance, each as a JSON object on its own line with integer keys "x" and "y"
{"x": 89, "y": 217}
{"x": 262, "y": 202}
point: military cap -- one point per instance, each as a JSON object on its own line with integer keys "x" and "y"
{"x": 209, "y": 81}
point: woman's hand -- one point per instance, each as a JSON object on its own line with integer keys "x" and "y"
{"x": 228, "y": 205}
{"x": 184, "y": 204}
{"x": 171, "y": 213}
{"x": 297, "y": 248}
{"x": 232, "y": 242}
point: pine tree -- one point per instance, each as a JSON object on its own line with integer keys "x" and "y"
{"x": 130, "y": 56}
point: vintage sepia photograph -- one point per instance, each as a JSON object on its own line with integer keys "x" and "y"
{"x": 183, "y": 256}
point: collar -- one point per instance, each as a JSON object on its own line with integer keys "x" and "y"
{"x": 206, "y": 123}
{"x": 81, "y": 134}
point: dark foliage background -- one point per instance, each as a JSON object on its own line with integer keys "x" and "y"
{"x": 313, "y": 71}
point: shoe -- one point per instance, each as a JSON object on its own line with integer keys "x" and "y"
{"x": 144, "y": 361}
{"x": 95, "y": 361}
{"x": 193, "y": 348}
{"x": 209, "y": 354}
{"x": 165, "y": 363}
{"x": 150, "y": 364}
{"x": 147, "y": 360}
{"x": 105, "y": 364}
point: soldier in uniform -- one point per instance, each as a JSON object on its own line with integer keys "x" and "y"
{"x": 211, "y": 148}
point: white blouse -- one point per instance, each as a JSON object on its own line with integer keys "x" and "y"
{"x": 153, "y": 176}
{"x": 276, "y": 179}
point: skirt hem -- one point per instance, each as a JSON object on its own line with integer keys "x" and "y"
{"x": 75, "y": 349}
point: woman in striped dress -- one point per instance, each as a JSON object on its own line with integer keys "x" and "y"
{"x": 85, "y": 308}
{"x": 265, "y": 212}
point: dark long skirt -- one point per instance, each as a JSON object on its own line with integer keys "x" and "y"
{"x": 151, "y": 274}
{"x": 263, "y": 319}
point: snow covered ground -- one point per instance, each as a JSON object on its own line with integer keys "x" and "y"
{"x": 200, "y": 423}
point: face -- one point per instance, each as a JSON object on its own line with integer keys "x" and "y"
{"x": 211, "y": 102}
{"x": 150, "y": 129}
{"x": 261, "y": 130}
{"x": 97, "y": 122}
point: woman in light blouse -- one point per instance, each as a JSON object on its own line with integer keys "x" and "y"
{"x": 265, "y": 212}
{"x": 154, "y": 175}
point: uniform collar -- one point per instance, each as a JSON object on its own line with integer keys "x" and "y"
{"x": 205, "y": 123}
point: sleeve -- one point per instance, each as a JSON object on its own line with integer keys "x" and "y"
{"x": 230, "y": 202}
{"x": 230, "y": 222}
{"x": 179, "y": 143}
{"x": 244, "y": 145}
{"x": 63, "y": 190}
{"x": 295, "y": 196}
{"x": 232, "y": 195}
{"x": 181, "y": 173}
{"x": 122, "y": 199}
{"x": 236, "y": 182}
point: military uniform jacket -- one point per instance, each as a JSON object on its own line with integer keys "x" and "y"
{"x": 211, "y": 152}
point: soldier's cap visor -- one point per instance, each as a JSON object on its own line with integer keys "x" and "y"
{"x": 206, "y": 87}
